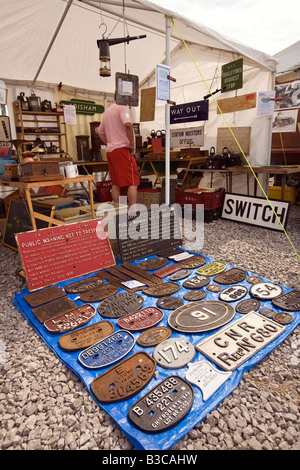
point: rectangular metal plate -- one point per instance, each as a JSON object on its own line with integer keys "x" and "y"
{"x": 64, "y": 252}
{"x": 53, "y": 309}
{"x": 170, "y": 269}
{"x": 235, "y": 344}
{"x": 44, "y": 296}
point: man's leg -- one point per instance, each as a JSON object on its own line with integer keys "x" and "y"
{"x": 115, "y": 193}
{"x": 132, "y": 195}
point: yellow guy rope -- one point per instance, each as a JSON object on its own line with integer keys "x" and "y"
{"x": 183, "y": 41}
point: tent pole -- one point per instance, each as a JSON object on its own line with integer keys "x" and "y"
{"x": 167, "y": 118}
{"x": 52, "y": 41}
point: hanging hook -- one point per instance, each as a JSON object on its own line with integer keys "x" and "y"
{"x": 103, "y": 24}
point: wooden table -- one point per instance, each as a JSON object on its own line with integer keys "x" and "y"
{"x": 185, "y": 162}
{"x": 284, "y": 171}
{"x": 25, "y": 187}
{"x": 101, "y": 166}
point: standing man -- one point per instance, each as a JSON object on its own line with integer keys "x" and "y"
{"x": 116, "y": 131}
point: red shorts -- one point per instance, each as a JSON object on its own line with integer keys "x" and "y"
{"x": 122, "y": 168}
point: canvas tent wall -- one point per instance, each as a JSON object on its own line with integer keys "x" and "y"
{"x": 190, "y": 86}
{"x": 44, "y": 43}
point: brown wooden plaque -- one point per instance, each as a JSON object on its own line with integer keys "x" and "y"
{"x": 238, "y": 103}
{"x": 64, "y": 252}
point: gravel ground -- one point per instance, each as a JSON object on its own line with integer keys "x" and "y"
{"x": 44, "y": 406}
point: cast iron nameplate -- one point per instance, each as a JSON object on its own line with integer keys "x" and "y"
{"x": 174, "y": 353}
{"x": 233, "y": 293}
{"x": 198, "y": 317}
{"x": 83, "y": 285}
{"x": 153, "y": 263}
{"x": 85, "y": 337}
{"x": 206, "y": 377}
{"x": 53, "y": 309}
{"x": 167, "y": 288}
{"x": 107, "y": 351}
{"x": 120, "y": 305}
{"x": 232, "y": 276}
{"x": 99, "y": 293}
{"x": 56, "y": 254}
{"x": 142, "y": 319}
{"x": 235, "y": 344}
{"x": 70, "y": 320}
{"x": 164, "y": 406}
{"x": 169, "y": 302}
{"x": 153, "y": 336}
{"x": 148, "y": 233}
{"x": 265, "y": 290}
{"x": 289, "y": 301}
{"x": 44, "y": 296}
{"x": 125, "y": 379}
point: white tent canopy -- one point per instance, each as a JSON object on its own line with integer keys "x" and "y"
{"x": 53, "y": 41}
{"x": 289, "y": 58}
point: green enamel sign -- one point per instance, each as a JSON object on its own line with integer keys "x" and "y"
{"x": 232, "y": 76}
{"x": 85, "y": 106}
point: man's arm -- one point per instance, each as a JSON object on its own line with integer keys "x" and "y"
{"x": 103, "y": 138}
{"x": 130, "y": 136}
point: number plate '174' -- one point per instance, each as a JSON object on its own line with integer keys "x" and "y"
{"x": 164, "y": 406}
{"x": 232, "y": 346}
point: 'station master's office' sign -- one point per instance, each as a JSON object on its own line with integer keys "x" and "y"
{"x": 255, "y": 211}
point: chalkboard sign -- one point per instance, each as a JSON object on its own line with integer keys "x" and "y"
{"x": 18, "y": 220}
{"x": 147, "y": 233}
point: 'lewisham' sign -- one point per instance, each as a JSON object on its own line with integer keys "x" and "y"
{"x": 189, "y": 112}
{"x": 255, "y": 211}
{"x": 85, "y": 106}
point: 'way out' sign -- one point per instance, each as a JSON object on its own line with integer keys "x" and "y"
{"x": 189, "y": 112}
{"x": 255, "y": 211}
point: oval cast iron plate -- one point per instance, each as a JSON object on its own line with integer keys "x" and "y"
{"x": 174, "y": 353}
{"x": 70, "y": 320}
{"x": 164, "y": 406}
{"x": 125, "y": 379}
{"x": 142, "y": 319}
{"x": 85, "y": 337}
{"x": 153, "y": 336}
{"x": 121, "y": 304}
{"x": 198, "y": 317}
{"x": 107, "y": 351}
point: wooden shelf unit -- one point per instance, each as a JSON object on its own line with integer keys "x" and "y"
{"x": 41, "y": 119}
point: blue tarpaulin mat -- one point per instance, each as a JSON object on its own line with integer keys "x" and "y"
{"x": 119, "y": 411}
